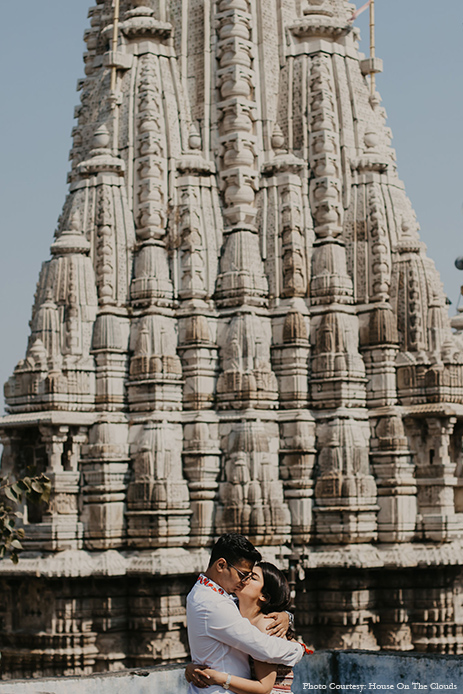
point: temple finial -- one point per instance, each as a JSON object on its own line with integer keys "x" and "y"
{"x": 114, "y": 43}
{"x": 372, "y": 64}
{"x": 372, "y": 46}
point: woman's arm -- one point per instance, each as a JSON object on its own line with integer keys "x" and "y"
{"x": 265, "y": 672}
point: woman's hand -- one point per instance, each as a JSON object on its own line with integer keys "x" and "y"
{"x": 279, "y": 624}
{"x": 213, "y": 676}
{"x": 196, "y": 674}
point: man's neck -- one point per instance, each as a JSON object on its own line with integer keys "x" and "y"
{"x": 214, "y": 576}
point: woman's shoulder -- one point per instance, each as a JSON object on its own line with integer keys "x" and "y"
{"x": 261, "y": 622}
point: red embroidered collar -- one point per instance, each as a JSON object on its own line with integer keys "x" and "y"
{"x": 205, "y": 581}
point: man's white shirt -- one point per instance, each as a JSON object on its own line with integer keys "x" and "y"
{"x": 222, "y": 639}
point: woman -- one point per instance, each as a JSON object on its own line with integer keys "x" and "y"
{"x": 266, "y": 591}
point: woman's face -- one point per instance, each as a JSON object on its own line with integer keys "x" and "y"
{"x": 252, "y": 589}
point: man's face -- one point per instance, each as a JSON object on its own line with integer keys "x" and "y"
{"x": 234, "y": 575}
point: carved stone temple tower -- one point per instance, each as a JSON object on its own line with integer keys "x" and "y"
{"x": 237, "y": 330}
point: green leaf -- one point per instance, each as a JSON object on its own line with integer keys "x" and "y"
{"x": 17, "y": 489}
{"x": 37, "y": 487}
{"x": 24, "y": 484}
{"x": 16, "y": 544}
{"x": 46, "y": 493}
{"x": 11, "y": 494}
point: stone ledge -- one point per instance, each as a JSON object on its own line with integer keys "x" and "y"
{"x": 335, "y": 671}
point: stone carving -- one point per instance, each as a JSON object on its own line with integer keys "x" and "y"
{"x": 157, "y": 497}
{"x": 251, "y": 497}
{"x": 238, "y": 330}
{"x": 105, "y": 249}
{"x": 202, "y": 467}
{"x": 247, "y": 378}
{"x": 380, "y": 250}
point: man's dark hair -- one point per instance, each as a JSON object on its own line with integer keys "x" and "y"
{"x": 233, "y": 548}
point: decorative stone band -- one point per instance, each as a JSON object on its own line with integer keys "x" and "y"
{"x": 141, "y": 27}
{"x": 326, "y": 28}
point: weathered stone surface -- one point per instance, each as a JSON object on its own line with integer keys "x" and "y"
{"x": 322, "y": 671}
{"x": 238, "y": 330}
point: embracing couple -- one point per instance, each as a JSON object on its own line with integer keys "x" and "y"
{"x": 228, "y": 612}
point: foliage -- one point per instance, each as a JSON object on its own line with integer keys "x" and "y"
{"x": 12, "y": 494}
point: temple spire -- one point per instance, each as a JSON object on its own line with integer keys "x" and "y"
{"x": 238, "y": 330}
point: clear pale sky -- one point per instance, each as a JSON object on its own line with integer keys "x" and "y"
{"x": 420, "y": 41}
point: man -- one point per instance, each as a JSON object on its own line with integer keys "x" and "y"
{"x": 219, "y": 636}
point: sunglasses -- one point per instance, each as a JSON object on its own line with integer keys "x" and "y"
{"x": 244, "y": 576}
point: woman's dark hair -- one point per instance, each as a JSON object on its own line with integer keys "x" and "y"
{"x": 233, "y": 548}
{"x": 276, "y": 590}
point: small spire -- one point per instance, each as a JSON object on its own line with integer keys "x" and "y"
{"x": 194, "y": 138}
{"x": 278, "y": 139}
{"x": 74, "y": 222}
{"x": 72, "y": 238}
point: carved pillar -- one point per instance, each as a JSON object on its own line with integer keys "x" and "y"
{"x": 395, "y": 590}
{"x": 379, "y": 348}
{"x": 346, "y": 614}
{"x": 199, "y": 354}
{"x": 435, "y": 477}
{"x": 247, "y": 379}
{"x": 158, "y": 507}
{"x": 435, "y": 619}
{"x": 201, "y": 465}
{"x": 345, "y": 491}
{"x": 105, "y": 475}
{"x": 394, "y": 471}
{"x": 241, "y": 270}
{"x": 297, "y": 458}
{"x": 290, "y": 357}
{"x": 9, "y": 440}
{"x": 251, "y": 498}
{"x": 197, "y": 272}
{"x": 110, "y": 349}
{"x": 60, "y": 526}
{"x": 155, "y": 369}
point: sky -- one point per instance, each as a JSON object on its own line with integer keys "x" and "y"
{"x": 420, "y": 42}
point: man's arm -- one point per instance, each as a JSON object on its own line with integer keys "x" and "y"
{"x": 281, "y": 621}
{"x": 228, "y": 626}
{"x": 279, "y": 624}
